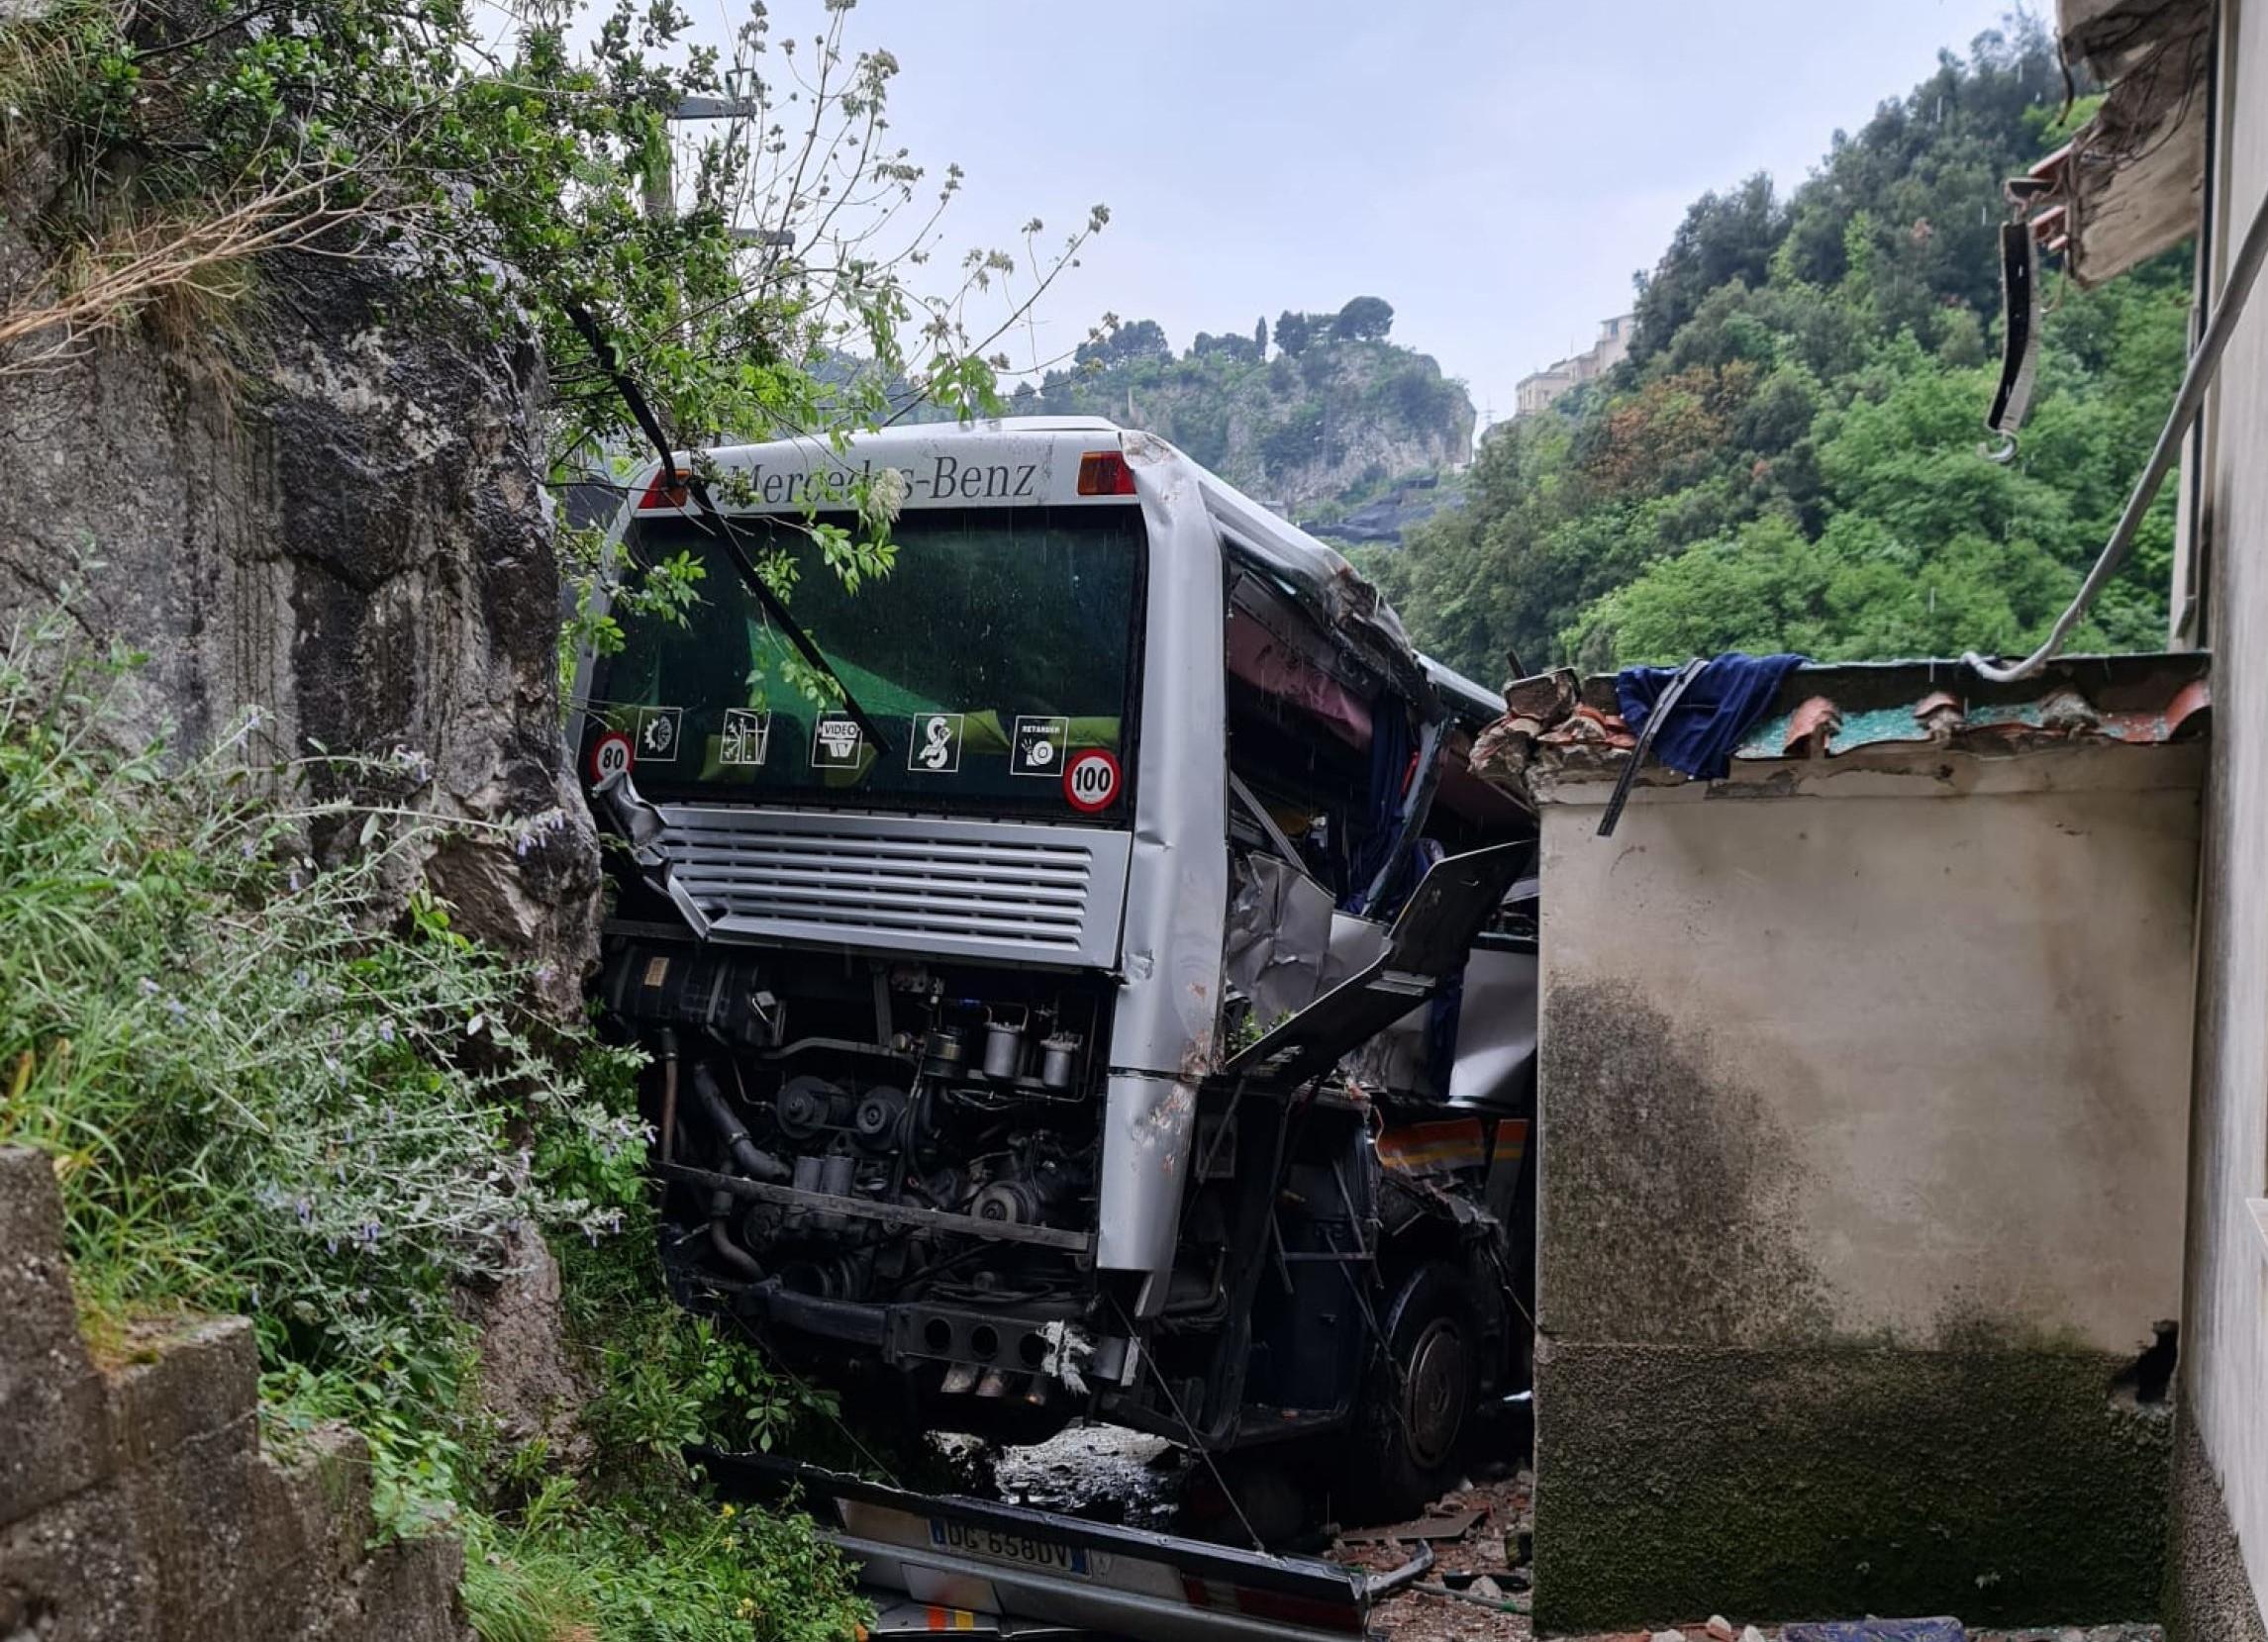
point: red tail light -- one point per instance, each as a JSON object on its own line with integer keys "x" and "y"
{"x": 668, "y": 490}
{"x": 1105, "y": 473}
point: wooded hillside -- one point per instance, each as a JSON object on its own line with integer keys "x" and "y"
{"x": 1791, "y": 457}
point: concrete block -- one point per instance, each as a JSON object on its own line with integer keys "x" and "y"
{"x": 311, "y": 1506}
{"x": 408, "y": 1593}
{"x": 200, "y": 1380}
{"x": 76, "y": 1572}
{"x": 194, "y": 1508}
{"x": 53, "y": 1438}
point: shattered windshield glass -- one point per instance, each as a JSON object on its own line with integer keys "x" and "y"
{"x": 996, "y": 658}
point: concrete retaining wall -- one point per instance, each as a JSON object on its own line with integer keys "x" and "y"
{"x": 1863, "y": 1112}
{"x": 138, "y": 1501}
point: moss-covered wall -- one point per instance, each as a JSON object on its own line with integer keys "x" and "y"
{"x": 1862, "y": 1111}
{"x": 2008, "y": 1485}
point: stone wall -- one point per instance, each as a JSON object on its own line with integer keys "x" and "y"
{"x": 1863, "y": 1086}
{"x": 138, "y": 1501}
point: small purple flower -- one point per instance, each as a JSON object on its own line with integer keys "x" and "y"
{"x": 175, "y": 1007}
{"x": 305, "y": 1211}
{"x": 293, "y": 880}
{"x": 331, "y": 1245}
{"x": 148, "y": 987}
{"x": 386, "y": 1031}
{"x": 247, "y": 849}
{"x": 369, "y": 1231}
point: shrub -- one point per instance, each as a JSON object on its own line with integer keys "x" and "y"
{"x": 270, "y": 1085}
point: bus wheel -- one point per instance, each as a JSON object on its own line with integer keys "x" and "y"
{"x": 1422, "y": 1395}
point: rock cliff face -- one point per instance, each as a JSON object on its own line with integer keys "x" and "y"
{"x": 1296, "y": 431}
{"x": 307, "y": 507}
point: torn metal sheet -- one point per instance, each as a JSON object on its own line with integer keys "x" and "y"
{"x": 1429, "y": 942}
{"x": 1279, "y": 936}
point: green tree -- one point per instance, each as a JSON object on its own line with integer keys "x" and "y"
{"x": 1364, "y": 320}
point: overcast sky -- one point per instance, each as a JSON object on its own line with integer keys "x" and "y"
{"x": 1495, "y": 168}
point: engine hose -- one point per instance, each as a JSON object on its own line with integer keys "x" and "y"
{"x": 756, "y": 1163}
{"x": 735, "y": 1256}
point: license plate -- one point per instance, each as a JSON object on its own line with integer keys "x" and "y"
{"x": 1003, "y": 1545}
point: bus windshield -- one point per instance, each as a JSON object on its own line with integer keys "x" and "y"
{"x": 999, "y": 648}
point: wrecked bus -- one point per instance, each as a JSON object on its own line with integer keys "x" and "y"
{"x": 1081, "y": 975}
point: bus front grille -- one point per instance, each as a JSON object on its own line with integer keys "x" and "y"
{"x": 1045, "y": 894}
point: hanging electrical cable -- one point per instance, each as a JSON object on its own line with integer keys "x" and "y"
{"x": 2242, "y": 273}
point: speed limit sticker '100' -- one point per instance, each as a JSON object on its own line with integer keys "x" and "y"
{"x": 1091, "y": 781}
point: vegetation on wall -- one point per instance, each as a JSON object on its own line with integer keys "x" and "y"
{"x": 1791, "y": 458}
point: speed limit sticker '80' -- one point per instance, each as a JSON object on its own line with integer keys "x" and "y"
{"x": 1091, "y": 781}
{"x": 611, "y": 755}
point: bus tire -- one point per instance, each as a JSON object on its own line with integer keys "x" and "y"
{"x": 1422, "y": 1395}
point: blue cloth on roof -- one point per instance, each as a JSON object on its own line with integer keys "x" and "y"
{"x": 1718, "y": 709}
{"x": 1879, "y": 1630}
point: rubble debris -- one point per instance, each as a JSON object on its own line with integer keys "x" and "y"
{"x": 1444, "y": 1525}
{"x": 1720, "y": 1627}
{"x": 1939, "y": 1629}
{"x": 1554, "y": 725}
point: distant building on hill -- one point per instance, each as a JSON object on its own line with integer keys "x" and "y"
{"x": 1538, "y": 390}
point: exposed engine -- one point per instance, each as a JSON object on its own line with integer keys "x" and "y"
{"x": 837, "y": 1129}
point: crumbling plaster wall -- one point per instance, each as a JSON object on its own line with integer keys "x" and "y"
{"x": 1863, "y": 1110}
{"x": 138, "y": 1501}
{"x": 2224, "y": 1355}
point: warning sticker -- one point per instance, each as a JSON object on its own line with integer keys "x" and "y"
{"x": 746, "y": 738}
{"x": 657, "y": 736}
{"x": 935, "y": 748}
{"x": 611, "y": 756}
{"x": 836, "y": 742}
{"x": 1038, "y": 747}
{"x": 1091, "y": 781}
